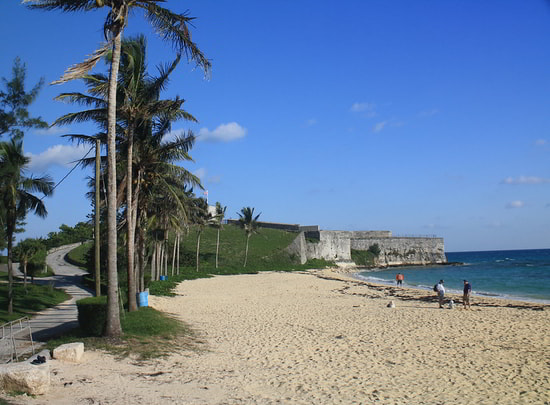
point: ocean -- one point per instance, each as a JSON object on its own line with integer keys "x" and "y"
{"x": 511, "y": 274}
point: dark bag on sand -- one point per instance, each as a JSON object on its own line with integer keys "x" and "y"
{"x": 435, "y": 288}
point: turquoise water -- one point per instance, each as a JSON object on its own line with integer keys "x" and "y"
{"x": 512, "y": 274}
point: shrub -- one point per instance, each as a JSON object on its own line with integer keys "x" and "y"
{"x": 375, "y": 249}
{"x": 92, "y": 314}
{"x": 363, "y": 257}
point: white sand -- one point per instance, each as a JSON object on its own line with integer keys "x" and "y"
{"x": 295, "y": 338}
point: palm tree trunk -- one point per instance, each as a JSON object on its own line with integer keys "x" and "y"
{"x": 154, "y": 264}
{"x": 174, "y": 254}
{"x": 130, "y": 215}
{"x": 246, "y": 251}
{"x": 198, "y": 248}
{"x": 9, "y": 234}
{"x": 96, "y": 220}
{"x": 178, "y": 255}
{"x": 217, "y": 247}
{"x": 112, "y": 327}
{"x": 140, "y": 262}
{"x": 25, "y": 274}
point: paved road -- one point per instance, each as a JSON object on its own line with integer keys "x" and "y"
{"x": 54, "y": 321}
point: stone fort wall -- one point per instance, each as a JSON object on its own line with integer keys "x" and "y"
{"x": 394, "y": 251}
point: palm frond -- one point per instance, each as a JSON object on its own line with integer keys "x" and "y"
{"x": 172, "y": 27}
{"x": 81, "y": 69}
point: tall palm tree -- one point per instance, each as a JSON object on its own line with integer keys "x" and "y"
{"x": 249, "y": 223}
{"x": 171, "y": 27}
{"x": 200, "y": 218}
{"x": 218, "y": 224}
{"x": 17, "y": 199}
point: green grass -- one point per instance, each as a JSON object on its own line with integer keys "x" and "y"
{"x": 35, "y": 299}
{"x": 266, "y": 252}
{"x": 77, "y": 256}
{"x": 147, "y": 333}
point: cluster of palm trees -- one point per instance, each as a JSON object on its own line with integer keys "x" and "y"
{"x": 107, "y": 97}
{"x": 138, "y": 183}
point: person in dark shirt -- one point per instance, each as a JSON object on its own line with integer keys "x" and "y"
{"x": 466, "y": 294}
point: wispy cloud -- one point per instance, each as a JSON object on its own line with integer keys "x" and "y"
{"x": 525, "y": 180}
{"x": 428, "y": 113}
{"x": 365, "y": 109}
{"x": 311, "y": 122}
{"x": 362, "y": 107}
{"x": 515, "y": 204}
{"x": 541, "y": 142}
{"x": 379, "y": 126}
{"x": 55, "y": 130}
{"x": 223, "y": 133}
{"x": 202, "y": 174}
{"x": 58, "y": 155}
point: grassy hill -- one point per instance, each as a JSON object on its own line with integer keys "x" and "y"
{"x": 266, "y": 253}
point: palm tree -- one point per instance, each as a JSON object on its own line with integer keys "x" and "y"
{"x": 218, "y": 224}
{"x": 17, "y": 200}
{"x": 201, "y": 218}
{"x": 23, "y": 252}
{"x": 170, "y": 26}
{"x": 249, "y": 223}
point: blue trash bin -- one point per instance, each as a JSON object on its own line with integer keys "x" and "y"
{"x": 143, "y": 299}
{"x": 163, "y": 278}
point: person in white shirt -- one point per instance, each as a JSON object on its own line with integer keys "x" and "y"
{"x": 440, "y": 293}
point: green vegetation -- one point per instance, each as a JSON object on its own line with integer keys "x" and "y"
{"x": 66, "y": 235}
{"x": 147, "y": 334}
{"x": 266, "y": 253}
{"x": 79, "y": 255}
{"x": 366, "y": 257}
{"x": 26, "y": 303}
{"x": 363, "y": 257}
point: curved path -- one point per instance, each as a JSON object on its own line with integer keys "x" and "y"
{"x": 56, "y": 320}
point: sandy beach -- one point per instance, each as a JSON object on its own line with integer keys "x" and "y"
{"x": 322, "y": 337}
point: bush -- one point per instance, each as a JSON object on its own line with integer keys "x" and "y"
{"x": 375, "y": 249}
{"x": 37, "y": 264}
{"x": 92, "y": 315}
{"x": 363, "y": 257}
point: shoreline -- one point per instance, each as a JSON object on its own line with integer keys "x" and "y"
{"x": 484, "y": 295}
{"x": 424, "y": 294}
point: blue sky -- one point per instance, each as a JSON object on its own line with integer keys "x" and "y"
{"x": 417, "y": 117}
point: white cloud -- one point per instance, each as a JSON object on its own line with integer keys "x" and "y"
{"x": 525, "y": 180}
{"x": 363, "y": 107}
{"x": 55, "y": 130}
{"x": 541, "y": 142}
{"x": 223, "y": 133}
{"x": 311, "y": 122}
{"x": 60, "y": 155}
{"x": 515, "y": 204}
{"x": 379, "y": 126}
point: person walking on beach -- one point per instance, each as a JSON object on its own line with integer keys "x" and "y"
{"x": 399, "y": 279}
{"x": 466, "y": 294}
{"x": 440, "y": 292}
